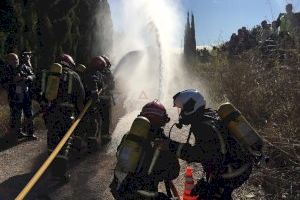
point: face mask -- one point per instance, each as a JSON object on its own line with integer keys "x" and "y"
{"x": 183, "y": 120}
{"x": 179, "y": 125}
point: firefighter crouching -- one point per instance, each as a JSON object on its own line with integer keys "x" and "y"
{"x": 225, "y": 145}
{"x": 136, "y": 176}
{"x": 65, "y": 94}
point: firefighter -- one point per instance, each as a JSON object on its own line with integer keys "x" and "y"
{"x": 92, "y": 121}
{"x": 65, "y": 94}
{"x": 18, "y": 80}
{"x": 136, "y": 175}
{"x": 106, "y": 99}
{"x": 26, "y": 66}
{"x": 97, "y": 81}
{"x": 226, "y": 164}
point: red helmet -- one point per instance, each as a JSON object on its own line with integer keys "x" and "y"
{"x": 156, "y": 113}
{"x": 66, "y": 60}
{"x": 98, "y": 63}
{"x": 108, "y": 64}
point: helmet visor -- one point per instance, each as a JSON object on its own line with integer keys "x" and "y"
{"x": 177, "y": 102}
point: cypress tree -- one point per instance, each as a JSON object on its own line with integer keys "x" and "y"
{"x": 193, "y": 37}
{"x": 187, "y": 34}
{"x": 189, "y": 37}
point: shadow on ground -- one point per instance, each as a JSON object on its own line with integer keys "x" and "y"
{"x": 6, "y": 143}
{"x": 82, "y": 168}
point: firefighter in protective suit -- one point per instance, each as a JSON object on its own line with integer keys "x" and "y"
{"x": 226, "y": 164}
{"x": 106, "y": 98}
{"x": 93, "y": 84}
{"x": 65, "y": 94}
{"x": 136, "y": 176}
{"x": 17, "y": 79}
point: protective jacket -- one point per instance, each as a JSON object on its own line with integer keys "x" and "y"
{"x": 67, "y": 106}
{"x": 224, "y": 161}
{"x": 71, "y": 91}
{"x": 18, "y": 91}
{"x": 93, "y": 82}
{"x": 108, "y": 81}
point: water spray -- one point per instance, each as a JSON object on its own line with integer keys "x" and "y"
{"x": 161, "y": 64}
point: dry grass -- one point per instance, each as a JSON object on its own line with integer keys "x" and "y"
{"x": 267, "y": 91}
{"x": 4, "y": 119}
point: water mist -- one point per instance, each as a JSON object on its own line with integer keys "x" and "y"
{"x": 151, "y": 30}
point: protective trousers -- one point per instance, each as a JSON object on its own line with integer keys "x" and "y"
{"x": 105, "y": 107}
{"x": 16, "y": 115}
{"x": 59, "y": 120}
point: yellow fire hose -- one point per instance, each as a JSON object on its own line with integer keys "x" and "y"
{"x": 52, "y": 156}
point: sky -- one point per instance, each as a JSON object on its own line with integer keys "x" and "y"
{"x": 216, "y": 20}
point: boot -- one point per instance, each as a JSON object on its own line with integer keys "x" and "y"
{"x": 60, "y": 168}
{"x": 30, "y": 130}
{"x": 60, "y": 164}
{"x": 76, "y": 146}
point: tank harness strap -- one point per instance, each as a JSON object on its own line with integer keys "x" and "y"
{"x": 231, "y": 173}
{"x": 54, "y": 73}
{"x": 136, "y": 139}
{"x": 43, "y": 84}
{"x": 66, "y": 104}
{"x": 148, "y": 194}
{"x": 232, "y": 116}
{"x": 70, "y": 82}
{"x": 220, "y": 137}
{"x": 237, "y": 172}
{"x": 179, "y": 149}
{"x": 181, "y": 145}
{"x": 120, "y": 176}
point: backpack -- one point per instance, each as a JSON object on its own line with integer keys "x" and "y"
{"x": 241, "y": 130}
{"x": 54, "y": 79}
{"x": 238, "y": 153}
{"x": 131, "y": 151}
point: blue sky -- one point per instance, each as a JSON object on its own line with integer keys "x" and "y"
{"x": 216, "y": 20}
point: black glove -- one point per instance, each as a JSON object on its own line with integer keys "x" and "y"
{"x": 206, "y": 190}
{"x": 201, "y": 188}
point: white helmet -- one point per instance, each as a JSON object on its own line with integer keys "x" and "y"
{"x": 189, "y": 101}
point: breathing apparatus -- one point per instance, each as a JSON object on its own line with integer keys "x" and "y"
{"x": 179, "y": 125}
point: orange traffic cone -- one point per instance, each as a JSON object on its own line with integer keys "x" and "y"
{"x": 189, "y": 184}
